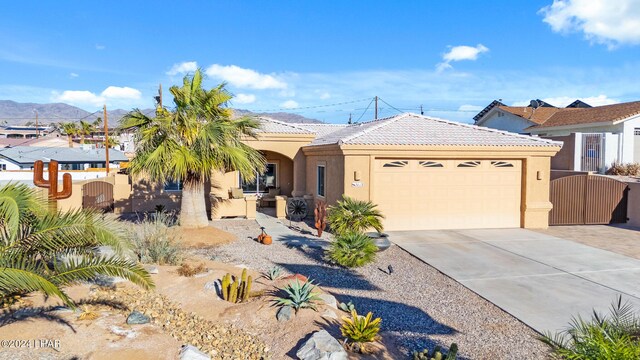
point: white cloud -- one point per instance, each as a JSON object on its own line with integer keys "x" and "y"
{"x": 115, "y": 92}
{"x": 244, "y": 98}
{"x": 245, "y": 78}
{"x": 460, "y": 53}
{"x": 467, "y": 107}
{"x": 289, "y": 104}
{"x": 183, "y": 68}
{"x": 115, "y": 95}
{"x": 100, "y": 47}
{"x": 325, "y": 96}
{"x": 602, "y": 21}
{"x": 73, "y": 75}
{"x": 562, "y": 101}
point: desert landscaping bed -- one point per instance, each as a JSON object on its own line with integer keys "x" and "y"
{"x": 419, "y": 306}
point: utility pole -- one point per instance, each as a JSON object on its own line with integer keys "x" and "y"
{"x": 160, "y": 93}
{"x": 421, "y": 112}
{"x": 376, "y": 117}
{"x": 350, "y": 122}
{"x": 37, "y": 132}
{"x": 106, "y": 137}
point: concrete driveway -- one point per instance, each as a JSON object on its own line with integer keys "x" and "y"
{"x": 540, "y": 279}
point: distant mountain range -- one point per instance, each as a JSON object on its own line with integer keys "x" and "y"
{"x": 15, "y": 113}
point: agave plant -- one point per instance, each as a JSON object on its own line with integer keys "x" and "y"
{"x": 616, "y": 336}
{"x": 360, "y": 329}
{"x": 352, "y": 250}
{"x": 45, "y": 251}
{"x": 274, "y": 273}
{"x": 351, "y": 215}
{"x": 299, "y": 295}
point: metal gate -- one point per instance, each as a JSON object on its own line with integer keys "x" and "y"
{"x": 97, "y": 195}
{"x": 588, "y": 199}
{"x": 592, "y": 152}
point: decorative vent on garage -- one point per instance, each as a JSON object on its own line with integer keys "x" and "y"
{"x": 469, "y": 164}
{"x": 396, "y": 164}
{"x": 501, "y": 164}
{"x": 430, "y": 164}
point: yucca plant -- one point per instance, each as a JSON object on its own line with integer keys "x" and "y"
{"x": 351, "y": 215}
{"x": 612, "y": 337}
{"x": 42, "y": 250}
{"x": 299, "y": 295}
{"x": 352, "y": 250}
{"x": 360, "y": 329}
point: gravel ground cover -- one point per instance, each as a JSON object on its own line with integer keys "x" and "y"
{"x": 420, "y": 307}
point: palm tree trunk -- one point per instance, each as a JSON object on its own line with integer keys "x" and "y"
{"x": 70, "y": 140}
{"x": 193, "y": 209}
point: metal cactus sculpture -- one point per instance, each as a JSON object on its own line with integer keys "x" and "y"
{"x": 321, "y": 217}
{"x": 51, "y": 184}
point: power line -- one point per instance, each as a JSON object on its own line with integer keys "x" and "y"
{"x": 365, "y": 110}
{"x": 311, "y": 107}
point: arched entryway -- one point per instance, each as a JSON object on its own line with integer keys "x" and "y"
{"x": 97, "y": 195}
{"x": 278, "y": 174}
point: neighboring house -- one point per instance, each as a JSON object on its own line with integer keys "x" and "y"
{"x": 422, "y": 172}
{"x": 594, "y": 137}
{"x": 44, "y": 141}
{"x": 23, "y": 157}
{"x": 23, "y": 132}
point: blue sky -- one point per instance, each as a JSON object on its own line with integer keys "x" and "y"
{"x": 452, "y": 58}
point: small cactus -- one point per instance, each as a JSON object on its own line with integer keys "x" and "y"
{"x": 437, "y": 353}
{"x": 236, "y": 290}
{"x": 320, "y": 213}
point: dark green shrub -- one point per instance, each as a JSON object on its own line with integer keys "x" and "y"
{"x": 351, "y": 215}
{"x": 352, "y": 250}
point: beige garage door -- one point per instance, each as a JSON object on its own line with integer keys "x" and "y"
{"x": 448, "y": 194}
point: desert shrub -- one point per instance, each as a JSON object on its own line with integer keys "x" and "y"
{"x": 616, "y": 336}
{"x": 630, "y": 169}
{"x": 299, "y": 295}
{"x": 154, "y": 241}
{"x": 359, "y": 330}
{"x": 351, "y": 215}
{"x": 43, "y": 250}
{"x": 352, "y": 250}
{"x": 188, "y": 270}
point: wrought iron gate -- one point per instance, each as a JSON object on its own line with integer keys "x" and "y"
{"x": 588, "y": 199}
{"x": 97, "y": 195}
{"x": 592, "y": 152}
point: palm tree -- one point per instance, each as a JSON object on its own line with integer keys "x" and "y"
{"x": 351, "y": 215}
{"x": 44, "y": 251}
{"x": 189, "y": 143}
{"x": 71, "y": 130}
{"x": 86, "y": 128}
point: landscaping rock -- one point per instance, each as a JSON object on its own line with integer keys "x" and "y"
{"x": 129, "y": 334}
{"x": 137, "y": 318}
{"x": 202, "y": 274}
{"x": 152, "y": 269}
{"x": 329, "y": 299}
{"x": 211, "y": 285}
{"x": 330, "y": 314}
{"x": 284, "y": 313}
{"x": 300, "y": 278}
{"x": 322, "y": 346}
{"x": 190, "y": 352}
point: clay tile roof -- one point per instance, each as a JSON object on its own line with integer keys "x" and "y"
{"x": 413, "y": 129}
{"x": 538, "y": 115}
{"x": 606, "y": 113}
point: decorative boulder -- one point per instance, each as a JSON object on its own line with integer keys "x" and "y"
{"x": 299, "y": 277}
{"x": 329, "y": 299}
{"x": 284, "y": 313}
{"x": 322, "y": 346}
{"x": 137, "y": 318}
{"x": 190, "y": 352}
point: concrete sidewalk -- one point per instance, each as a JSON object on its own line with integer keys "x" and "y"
{"x": 280, "y": 232}
{"x": 540, "y": 279}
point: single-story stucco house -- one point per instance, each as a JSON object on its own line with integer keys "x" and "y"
{"x": 422, "y": 172}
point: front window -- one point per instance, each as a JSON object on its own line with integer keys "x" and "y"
{"x": 173, "y": 185}
{"x": 262, "y": 181}
{"x": 321, "y": 180}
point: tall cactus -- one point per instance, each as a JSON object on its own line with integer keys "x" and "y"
{"x": 51, "y": 184}
{"x": 236, "y": 289}
{"x": 320, "y": 213}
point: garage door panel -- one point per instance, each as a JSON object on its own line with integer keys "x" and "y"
{"x": 413, "y": 197}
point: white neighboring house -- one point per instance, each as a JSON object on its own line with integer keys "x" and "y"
{"x": 22, "y": 158}
{"x": 594, "y": 137}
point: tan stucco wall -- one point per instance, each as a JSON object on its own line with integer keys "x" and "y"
{"x": 334, "y": 175}
{"x": 564, "y": 159}
{"x": 121, "y": 193}
{"x": 633, "y": 204}
{"x": 284, "y": 171}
